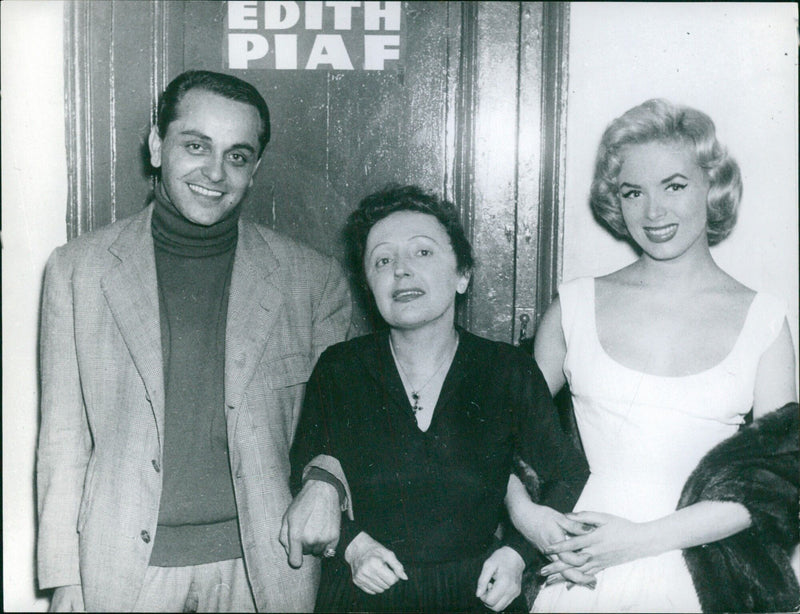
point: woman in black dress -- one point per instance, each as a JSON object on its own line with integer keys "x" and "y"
{"x": 425, "y": 419}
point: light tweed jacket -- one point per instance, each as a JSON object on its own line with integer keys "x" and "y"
{"x": 100, "y": 443}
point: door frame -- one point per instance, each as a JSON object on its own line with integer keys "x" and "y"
{"x": 506, "y": 175}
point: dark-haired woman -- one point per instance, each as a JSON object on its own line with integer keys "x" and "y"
{"x": 425, "y": 419}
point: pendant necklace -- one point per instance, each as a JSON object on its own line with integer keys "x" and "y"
{"x": 415, "y": 393}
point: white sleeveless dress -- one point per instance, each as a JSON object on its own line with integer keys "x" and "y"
{"x": 643, "y": 435}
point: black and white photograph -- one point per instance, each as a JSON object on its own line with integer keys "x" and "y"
{"x": 400, "y": 306}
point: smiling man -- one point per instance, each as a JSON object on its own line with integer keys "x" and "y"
{"x": 175, "y": 349}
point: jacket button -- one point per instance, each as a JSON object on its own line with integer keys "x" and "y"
{"x": 145, "y": 537}
{"x": 156, "y": 466}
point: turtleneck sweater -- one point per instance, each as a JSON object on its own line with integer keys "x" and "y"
{"x": 197, "y": 521}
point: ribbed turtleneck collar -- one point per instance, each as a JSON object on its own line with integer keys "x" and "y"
{"x": 173, "y": 233}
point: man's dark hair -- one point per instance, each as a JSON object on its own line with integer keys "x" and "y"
{"x": 224, "y": 85}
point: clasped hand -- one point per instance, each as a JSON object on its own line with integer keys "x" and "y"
{"x": 544, "y": 527}
{"x": 611, "y": 541}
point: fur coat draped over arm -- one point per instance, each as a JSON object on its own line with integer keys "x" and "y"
{"x": 757, "y": 467}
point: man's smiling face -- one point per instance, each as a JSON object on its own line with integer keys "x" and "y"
{"x": 208, "y": 155}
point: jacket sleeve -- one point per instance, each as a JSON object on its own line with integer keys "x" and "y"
{"x": 331, "y": 316}
{"x": 65, "y": 442}
{"x": 328, "y": 469}
{"x": 331, "y": 321}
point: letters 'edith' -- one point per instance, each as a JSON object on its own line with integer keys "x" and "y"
{"x": 314, "y": 35}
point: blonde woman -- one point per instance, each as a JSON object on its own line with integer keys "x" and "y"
{"x": 664, "y": 358}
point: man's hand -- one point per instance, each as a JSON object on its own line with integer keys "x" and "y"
{"x": 374, "y": 567}
{"x": 67, "y": 599}
{"x": 500, "y": 581}
{"x": 311, "y": 523}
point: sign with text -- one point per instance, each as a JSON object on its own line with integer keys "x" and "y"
{"x": 286, "y": 35}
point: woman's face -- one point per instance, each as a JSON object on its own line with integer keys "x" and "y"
{"x": 410, "y": 268}
{"x": 664, "y": 195}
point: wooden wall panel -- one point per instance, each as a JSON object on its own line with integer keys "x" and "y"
{"x": 476, "y": 112}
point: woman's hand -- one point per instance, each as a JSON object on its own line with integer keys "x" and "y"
{"x": 613, "y": 541}
{"x": 544, "y": 526}
{"x": 500, "y": 581}
{"x": 375, "y": 568}
{"x": 547, "y": 527}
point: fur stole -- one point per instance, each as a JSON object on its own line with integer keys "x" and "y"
{"x": 757, "y": 467}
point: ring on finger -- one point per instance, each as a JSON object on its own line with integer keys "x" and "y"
{"x": 329, "y": 552}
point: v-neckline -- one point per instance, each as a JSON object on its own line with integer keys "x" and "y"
{"x": 449, "y": 385}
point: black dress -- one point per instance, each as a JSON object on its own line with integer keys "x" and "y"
{"x": 434, "y": 498}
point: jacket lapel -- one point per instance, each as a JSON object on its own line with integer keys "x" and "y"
{"x": 253, "y": 308}
{"x": 130, "y": 289}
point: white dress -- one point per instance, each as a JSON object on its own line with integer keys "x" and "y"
{"x": 643, "y": 435}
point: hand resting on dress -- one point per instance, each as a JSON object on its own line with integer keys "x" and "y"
{"x": 616, "y": 540}
{"x": 374, "y": 567}
{"x": 500, "y": 581}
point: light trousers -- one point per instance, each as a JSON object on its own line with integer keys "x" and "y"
{"x": 212, "y": 587}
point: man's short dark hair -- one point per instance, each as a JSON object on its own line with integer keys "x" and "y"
{"x": 224, "y": 85}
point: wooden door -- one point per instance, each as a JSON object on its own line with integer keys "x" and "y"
{"x": 474, "y": 108}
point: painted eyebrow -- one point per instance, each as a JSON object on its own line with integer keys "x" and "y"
{"x": 674, "y": 176}
{"x": 414, "y": 237}
{"x": 634, "y": 186}
{"x": 207, "y": 139}
{"x": 369, "y": 254}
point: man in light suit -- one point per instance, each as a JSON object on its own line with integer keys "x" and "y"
{"x": 175, "y": 347}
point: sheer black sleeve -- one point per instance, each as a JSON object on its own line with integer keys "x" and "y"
{"x": 560, "y": 468}
{"x": 317, "y": 434}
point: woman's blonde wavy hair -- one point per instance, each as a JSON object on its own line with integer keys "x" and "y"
{"x": 662, "y": 121}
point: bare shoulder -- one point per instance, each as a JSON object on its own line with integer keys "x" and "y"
{"x": 736, "y": 288}
{"x": 730, "y": 291}
{"x": 626, "y": 277}
{"x": 625, "y": 286}
{"x": 550, "y": 347}
{"x": 717, "y": 286}
{"x": 553, "y": 311}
